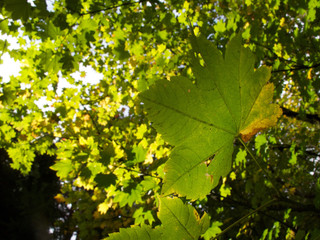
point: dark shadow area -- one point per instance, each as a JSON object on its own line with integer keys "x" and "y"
{"x": 27, "y": 205}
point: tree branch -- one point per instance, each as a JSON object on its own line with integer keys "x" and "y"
{"x": 295, "y": 68}
{"x": 282, "y": 147}
{"x": 92, "y": 120}
{"x": 232, "y": 202}
{"x": 311, "y": 118}
{"x": 301, "y": 67}
{"x": 244, "y": 217}
{"x": 262, "y": 168}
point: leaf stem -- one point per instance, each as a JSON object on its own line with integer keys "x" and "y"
{"x": 244, "y": 217}
{"x": 262, "y": 168}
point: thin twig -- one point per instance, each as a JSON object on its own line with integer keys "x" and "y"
{"x": 311, "y": 118}
{"x": 244, "y": 217}
{"x": 92, "y": 120}
{"x": 295, "y": 68}
{"x": 263, "y": 169}
{"x": 301, "y": 67}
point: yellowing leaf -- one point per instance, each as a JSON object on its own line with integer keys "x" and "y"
{"x": 76, "y": 129}
{"x": 196, "y": 31}
{"x": 261, "y": 117}
{"x": 230, "y": 98}
{"x": 292, "y": 190}
{"x": 83, "y": 74}
{"x": 310, "y": 74}
{"x": 282, "y": 21}
{"x": 233, "y": 176}
{"x": 59, "y": 198}
{"x": 141, "y": 130}
{"x": 82, "y": 141}
{"x": 88, "y": 185}
{"x": 186, "y": 5}
{"x": 103, "y": 208}
{"x": 57, "y": 134}
{"x": 118, "y": 151}
{"x": 161, "y": 48}
{"x": 149, "y": 159}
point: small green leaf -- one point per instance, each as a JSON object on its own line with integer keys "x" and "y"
{"x": 53, "y": 31}
{"x": 22, "y": 157}
{"x": 63, "y": 168}
{"x": 260, "y": 141}
{"x": 220, "y": 26}
{"x": 294, "y": 154}
{"x": 140, "y": 153}
{"x": 212, "y": 231}
{"x": 241, "y": 157}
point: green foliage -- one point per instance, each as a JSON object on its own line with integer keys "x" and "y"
{"x": 149, "y": 125}
{"x": 179, "y": 221}
{"x": 202, "y": 121}
{"x": 136, "y": 232}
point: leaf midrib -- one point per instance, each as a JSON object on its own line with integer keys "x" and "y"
{"x": 194, "y": 166}
{"x": 177, "y": 219}
{"x": 189, "y": 116}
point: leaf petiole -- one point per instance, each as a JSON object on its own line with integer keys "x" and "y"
{"x": 262, "y": 168}
{"x": 244, "y": 217}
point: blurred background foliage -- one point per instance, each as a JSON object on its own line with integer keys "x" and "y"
{"x": 95, "y": 136}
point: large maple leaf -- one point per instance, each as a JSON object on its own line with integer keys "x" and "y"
{"x": 230, "y": 98}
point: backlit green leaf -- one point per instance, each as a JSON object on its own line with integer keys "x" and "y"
{"x": 63, "y": 168}
{"x": 136, "y": 233}
{"x": 212, "y": 231}
{"x": 22, "y": 157}
{"x": 230, "y": 98}
{"x": 181, "y": 221}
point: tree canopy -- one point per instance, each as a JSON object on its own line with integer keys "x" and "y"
{"x": 203, "y": 125}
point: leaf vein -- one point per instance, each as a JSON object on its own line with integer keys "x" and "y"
{"x": 189, "y": 116}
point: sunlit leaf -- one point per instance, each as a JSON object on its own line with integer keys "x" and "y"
{"x": 22, "y": 157}
{"x": 230, "y": 98}
{"x": 136, "y": 233}
{"x": 63, "y": 168}
{"x": 212, "y": 231}
{"x": 181, "y": 221}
